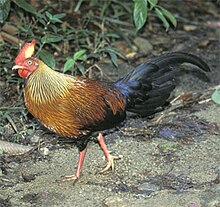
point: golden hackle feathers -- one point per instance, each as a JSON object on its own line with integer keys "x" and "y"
{"x": 46, "y": 84}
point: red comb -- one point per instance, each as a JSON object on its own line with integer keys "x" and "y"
{"x": 26, "y": 52}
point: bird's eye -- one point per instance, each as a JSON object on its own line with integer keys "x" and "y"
{"x": 29, "y": 62}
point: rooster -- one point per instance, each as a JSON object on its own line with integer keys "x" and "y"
{"x": 74, "y": 107}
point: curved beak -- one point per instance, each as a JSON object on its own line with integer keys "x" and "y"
{"x": 15, "y": 67}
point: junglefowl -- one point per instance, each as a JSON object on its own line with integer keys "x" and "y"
{"x": 74, "y": 107}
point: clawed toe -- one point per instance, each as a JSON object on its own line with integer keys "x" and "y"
{"x": 68, "y": 178}
{"x": 110, "y": 163}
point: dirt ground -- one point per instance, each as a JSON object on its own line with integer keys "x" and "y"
{"x": 174, "y": 163}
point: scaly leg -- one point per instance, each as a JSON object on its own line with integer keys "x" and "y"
{"x": 79, "y": 168}
{"x": 110, "y": 158}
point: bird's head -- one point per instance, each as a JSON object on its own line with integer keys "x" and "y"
{"x": 25, "y": 64}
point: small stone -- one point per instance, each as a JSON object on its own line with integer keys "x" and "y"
{"x": 143, "y": 44}
{"x": 214, "y": 204}
{"x": 115, "y": 201}
{"x": 35, "y": 139}
{"x": 188, "y": 27}
{"x": 217, "y": 179}
{"x": 28, "y": 178}
{"x": 148, "y": 188}
{"x": 44, "y": 151}
{"x": 192, "y": 204}
{"x": 8, "y": 130}
{"x": 120, "y": 156}
{"x": 13, "y": 165}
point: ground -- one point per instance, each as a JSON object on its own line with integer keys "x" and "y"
{"x": 167, "y": 163}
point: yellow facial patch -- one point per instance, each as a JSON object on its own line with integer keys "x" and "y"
{"x": 30, "y": 50}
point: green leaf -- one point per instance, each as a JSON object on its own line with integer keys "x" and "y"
{"x": 42, "y": 21}
{"x": 168, "y": 147}
{"x": 47, "y": 58}
{"x": 168, "y": 15}
{"x": 113, "y": 53}
{"x": 140, "y": 13}
{"x": 153, "y": 3}
{"x": 12, "y": 123}
{"x": 59, "y": 16}
{"x": 114, "y": 58}
{"x": 69, "y": 64}
{"x": 49, "y": 15}
{"x": 54, "y": 20}
{"x": 104, "y": 7}
{"x": 51, "y": 38}
{"x": 216, "y": 96}
{"x": 78, "y": 5}
{"x": 80, "y": 55}
{"x": 112, "y": 35}
{"x": 24, "y": 5}
{"x": 94, "y": 55}
{"x": 163, "y": 19}
{"x": 81, "y": 68}
{"x": 54, "y": 28}
{"x": 5, "y": 6}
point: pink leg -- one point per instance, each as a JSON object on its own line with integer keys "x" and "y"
{"x": 79, "y": 167}
{"x": 110, "y": 158}
{"x": 80, "y": 162}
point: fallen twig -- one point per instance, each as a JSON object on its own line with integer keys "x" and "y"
{"x": 13, "y": 148}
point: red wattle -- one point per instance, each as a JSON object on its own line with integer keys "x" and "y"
{"x": 23, "y": 73}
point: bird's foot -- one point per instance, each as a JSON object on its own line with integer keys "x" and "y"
{"x": 68, "y": 178}
{"x": 110, "y": 163}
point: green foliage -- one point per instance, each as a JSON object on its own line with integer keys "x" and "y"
{"x": 140, "y": 13}
{"x": 5, "y": 6}
{"x": 51, "y": 36}
{"x": 47, "y": 58}
{"x": 46, "y": 28}
{"x": 167, "y": 15}
{"x": 168, "y": 147}
{"x": 26, "y": 6}
{"x": 112, "y": 52}
{"x": 216, "y": 96}
{"x": 55, "y": 18}
{"x": 16, "y": 117}
{"x": 72, "y": 61}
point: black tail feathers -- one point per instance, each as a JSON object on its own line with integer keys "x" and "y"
{"x": 148, "y": 86}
